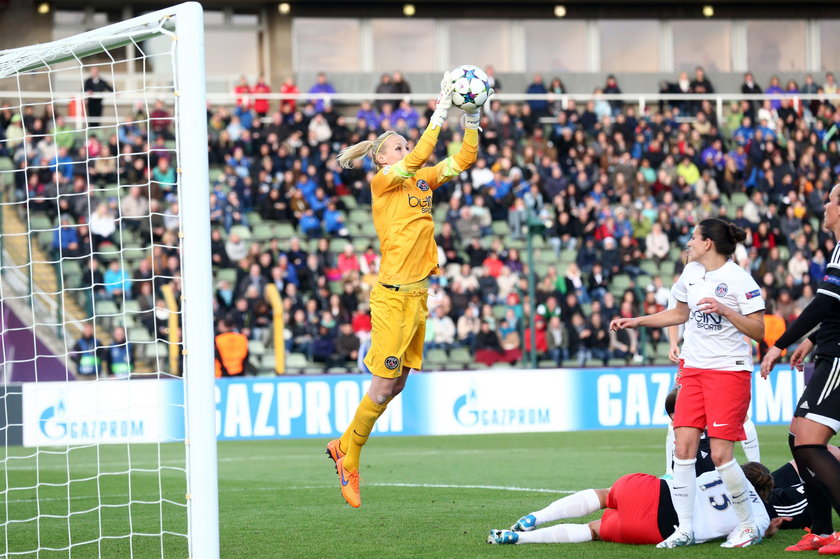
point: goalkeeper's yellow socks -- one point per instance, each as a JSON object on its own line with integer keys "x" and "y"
{"x": 357, "y": 433}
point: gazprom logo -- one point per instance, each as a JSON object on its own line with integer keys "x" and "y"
{"x": 464, "y": 411}
{"x": 469, "y": 412}
{"x": 52, "y": 422}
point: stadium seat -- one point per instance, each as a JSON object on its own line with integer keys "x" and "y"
{"x": 285, "y": 230}
{"x": 460, "y": 356}
{"x": 226, "y": 274}
{"x": 263, "y": 232}
{"x": 349, "y": 202}
{"x": 436, "y": 358}
{"x": 501, "y": 228}
{"x": 243, "y": 231}
{"x": 296, "y": 362}
{"x": 256, "y": 348}
{"x": 268, "y": 362}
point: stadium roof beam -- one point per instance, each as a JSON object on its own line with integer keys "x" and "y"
{"x": 576, "y": 9}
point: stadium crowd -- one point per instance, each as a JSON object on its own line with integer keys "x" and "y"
{"x": 609, "y": 195}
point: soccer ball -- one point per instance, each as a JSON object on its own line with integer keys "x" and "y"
{"x": 470, "y": 87}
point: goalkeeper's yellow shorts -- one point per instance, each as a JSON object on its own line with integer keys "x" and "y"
{"x": 398, "y": 328}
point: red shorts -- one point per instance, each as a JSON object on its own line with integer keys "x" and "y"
{"x": 714, "y": 400}
{"x": 632, "y": 511}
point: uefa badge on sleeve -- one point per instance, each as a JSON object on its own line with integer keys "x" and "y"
{"x": 721, "y": 290}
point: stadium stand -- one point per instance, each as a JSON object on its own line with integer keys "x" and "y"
{"x": 598, "y": 175}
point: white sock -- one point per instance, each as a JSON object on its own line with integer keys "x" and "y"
{"x": 737, "y": 486}
{"x": 750, "y": 445}
{"x": 683, "y": 487}
{"x": 559, "y": 533}
{"x": 670, "y": 443}
{"x": 580, "y": 504}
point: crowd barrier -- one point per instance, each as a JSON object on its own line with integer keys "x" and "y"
{"x": 445, "y": 403}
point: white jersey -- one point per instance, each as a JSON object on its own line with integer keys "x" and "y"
{"x": 711, "y": 341}
{"x": 714, "y": 515}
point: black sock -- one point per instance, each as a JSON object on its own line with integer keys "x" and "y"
{"x": 820, "y": 471}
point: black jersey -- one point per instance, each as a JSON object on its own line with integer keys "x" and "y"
{"x": 788, "y": 498}
{"x": 822, "y": 312}
{"x": 827, "y": 337}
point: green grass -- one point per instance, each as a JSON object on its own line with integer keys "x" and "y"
{"x": 422, "y": 496}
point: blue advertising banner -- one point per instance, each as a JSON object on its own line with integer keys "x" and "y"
{"x": 450, "y": 403}
{"x": 472, "y": 402}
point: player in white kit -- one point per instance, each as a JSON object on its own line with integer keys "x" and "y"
{"x": 719, "y": 303}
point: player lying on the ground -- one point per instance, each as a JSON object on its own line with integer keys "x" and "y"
{"x": 639, "y": 510}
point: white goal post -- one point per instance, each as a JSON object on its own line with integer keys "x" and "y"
{"x": 49, "y": 472}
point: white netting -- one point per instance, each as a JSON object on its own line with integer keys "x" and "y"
{"x": 90, "y": 286}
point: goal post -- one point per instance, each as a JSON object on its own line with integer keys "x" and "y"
{"x": 47, "y": 292}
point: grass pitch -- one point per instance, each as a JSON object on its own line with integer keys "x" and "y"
{"x": 429, "y": 497}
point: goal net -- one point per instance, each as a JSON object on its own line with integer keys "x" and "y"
{"x": 106, "y": 328}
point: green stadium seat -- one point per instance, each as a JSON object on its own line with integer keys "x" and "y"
{"x": 349, "y": 202}
{"x": 263, "y": 232}
{"x": 268, "y": 362}
{"x": 616, "y": 362}
{"x": 243, "y": 231}
{"x": 435, "y": 358}
{"x": 226, "y": 274}
{"x": 501, "y": 228}
{"x": 6, "y": 164}
{"x": 285, "y": 230}
{"x": 138, "y": 334}
{"x": 296, "y": 362}
{"x": 256, "y": 348}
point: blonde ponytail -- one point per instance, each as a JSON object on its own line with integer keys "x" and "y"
{"x": 348, "y": 155}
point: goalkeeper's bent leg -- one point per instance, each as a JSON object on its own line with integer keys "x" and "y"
{"x": 359, "y": 430}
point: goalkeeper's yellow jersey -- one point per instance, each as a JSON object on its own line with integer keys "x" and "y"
{"x": 402, "y": 208}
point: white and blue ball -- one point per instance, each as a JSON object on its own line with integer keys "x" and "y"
{"x": 470, "y": 87}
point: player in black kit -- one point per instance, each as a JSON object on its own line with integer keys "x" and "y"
{"x": 817, "y": 415}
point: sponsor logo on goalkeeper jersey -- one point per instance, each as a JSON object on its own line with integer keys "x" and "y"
{"x": 469, "y": 412}
{"x": 424, "y": 203}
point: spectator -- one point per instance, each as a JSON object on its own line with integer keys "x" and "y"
{"x": 287, "y": 106}
{"x": 160, "y": 121}
{"x": 538, "y": 106}
{"x": 261, "y": 103}
{"x": 611, "y": 88}
{"x": 243, "y": 96}
{"x": 119, "y": 355}
{"x": 494, "y": 82}
{"x": 347, "y": 345}
{"x": 117, "y": 281}
{"x": 443, "y": 330}
{"x": 321, "y": 88}
{"x": 87, "y": 354}
{"x": 95, "y": 87}
{"x": 232, "y": 355}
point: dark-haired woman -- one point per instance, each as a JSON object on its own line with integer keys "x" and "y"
{"x": 719, "y": 303}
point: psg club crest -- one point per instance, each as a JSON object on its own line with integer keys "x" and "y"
{"x": 721, "y": 290}
{"x": 422, "y": 185}
{"x": 391, "y": 363}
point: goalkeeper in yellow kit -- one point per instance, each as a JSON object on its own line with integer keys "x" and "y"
{"x": 402, "y": 215}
